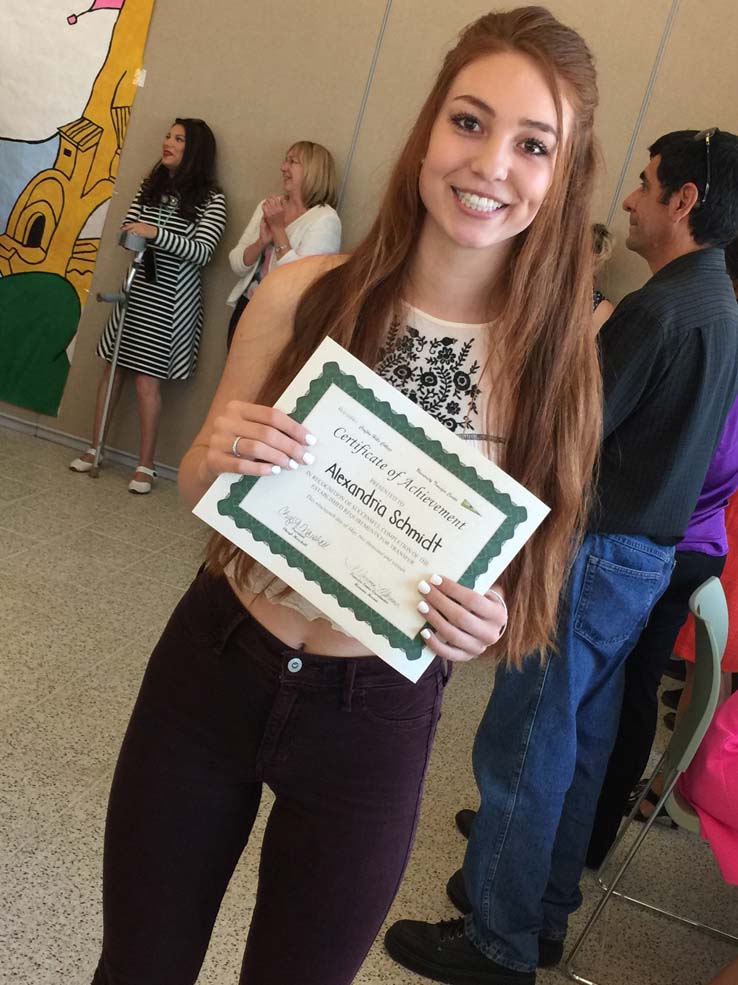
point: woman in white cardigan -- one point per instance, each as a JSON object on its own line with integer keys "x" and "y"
{"x": 302, "y": 221}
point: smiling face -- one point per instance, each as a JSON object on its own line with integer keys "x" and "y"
{"x": 292, "y": 173}
{"x": 650, "y": 223}
{"x": 173, "y": 147}
{"x": 492, "y": 150}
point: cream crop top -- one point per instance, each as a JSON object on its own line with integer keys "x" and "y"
{"x": 437, "y": 364}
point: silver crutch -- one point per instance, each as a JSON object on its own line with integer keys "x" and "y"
{"x": 137, "y": 245}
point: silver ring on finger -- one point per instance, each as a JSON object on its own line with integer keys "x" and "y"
{"x": 500, "y": 599}
{"x": 491, "y": 591}
{"x": 234, "y": 446}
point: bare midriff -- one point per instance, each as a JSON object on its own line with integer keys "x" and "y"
{"x": 294, "y": 630}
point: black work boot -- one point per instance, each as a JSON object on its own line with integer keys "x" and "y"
{"x": 442, "y": 952}
{"x": 549, "y": 952}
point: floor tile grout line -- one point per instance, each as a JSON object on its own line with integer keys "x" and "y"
{"x": 69, "y": 682}
{"x": 72, "y": 804}
{"x": 153, "y": 526}
{"x": 68, "y": 685}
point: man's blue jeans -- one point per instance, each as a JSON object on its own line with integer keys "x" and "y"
{"x": 542, "y": 749}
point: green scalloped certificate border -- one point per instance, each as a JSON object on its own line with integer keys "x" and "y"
{"x": 333, "y": 375}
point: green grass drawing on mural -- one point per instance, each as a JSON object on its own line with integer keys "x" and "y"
{"x": 39, "y": 314}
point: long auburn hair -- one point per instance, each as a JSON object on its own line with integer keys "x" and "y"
{"x": 547, "y": 391}
{"x": 194, "y": 180}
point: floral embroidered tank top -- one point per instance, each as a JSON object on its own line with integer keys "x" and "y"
{"x": 438, "y": 365}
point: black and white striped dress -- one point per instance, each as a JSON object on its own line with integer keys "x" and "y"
{"x": 163, "y": 324}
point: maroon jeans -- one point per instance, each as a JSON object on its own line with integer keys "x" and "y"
{"x": 225, "y": 707}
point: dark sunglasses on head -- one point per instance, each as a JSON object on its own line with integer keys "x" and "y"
{"x": 706, "y": 135}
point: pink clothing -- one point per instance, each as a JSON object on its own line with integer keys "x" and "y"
{"x": 710, "y": 785}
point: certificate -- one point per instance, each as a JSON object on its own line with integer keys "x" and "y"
{"x": 392, "y": 497}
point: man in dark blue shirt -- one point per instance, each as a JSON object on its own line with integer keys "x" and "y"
{"x": 670, "y": 367}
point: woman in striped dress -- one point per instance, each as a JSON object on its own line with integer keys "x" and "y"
{"x": 181, "y": 212}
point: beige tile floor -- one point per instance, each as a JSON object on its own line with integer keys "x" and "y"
{"x": 88, "y": 575}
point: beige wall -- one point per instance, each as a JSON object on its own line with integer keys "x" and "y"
{"x": 409, "y": 59}
{"x": 264, "y": 79}
{"x": 697, "y": 87}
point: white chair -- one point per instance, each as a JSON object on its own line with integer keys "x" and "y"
{"x": 711, "y": 632}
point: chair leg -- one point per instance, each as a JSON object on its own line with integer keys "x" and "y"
{"x": 609, "y": 891}
{"x": 581, "y": 978}
{"x": 651, "y": 907}
{"x": 704, "y": 927}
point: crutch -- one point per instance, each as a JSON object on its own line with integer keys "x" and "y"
{"x": 137, "y": 245}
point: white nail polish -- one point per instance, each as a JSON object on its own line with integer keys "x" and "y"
{"x": 435, "y": 579}
{"x": 293, "y": 464}
{"x": 423, "y": 587}
{"x": 310, "y": 439}
{"x": 423, "y": 607}
{"x": 308, "y": 459}
{"x": 426, "y": 633}
{"x": 276, "y": 470}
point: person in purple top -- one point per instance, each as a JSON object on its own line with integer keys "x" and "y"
{"x": 700, "y": 554}
{"x": 706, "y": 531}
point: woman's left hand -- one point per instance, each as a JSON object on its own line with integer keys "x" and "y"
{"x": 465, "y": 622}
{"x": 273, "y": 210}
{"x": 144, "y": 229}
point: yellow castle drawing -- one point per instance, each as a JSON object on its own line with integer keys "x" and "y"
{"x": 49, "y": 227}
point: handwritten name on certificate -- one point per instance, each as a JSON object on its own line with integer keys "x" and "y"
{"x": 393, "y": 497}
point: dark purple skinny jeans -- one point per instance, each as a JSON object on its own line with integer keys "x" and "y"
{"x": 225, "y": 707}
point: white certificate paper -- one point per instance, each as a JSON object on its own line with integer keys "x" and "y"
{"x": 393, "y": 497}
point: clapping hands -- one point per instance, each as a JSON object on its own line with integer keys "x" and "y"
{"x": 273, "y": 213}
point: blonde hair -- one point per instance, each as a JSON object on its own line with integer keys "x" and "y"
{"x": 319, "y": 174}
{"x": 603, "y": 243}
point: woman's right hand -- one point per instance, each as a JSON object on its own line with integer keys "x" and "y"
{"x": 268, "y": 441}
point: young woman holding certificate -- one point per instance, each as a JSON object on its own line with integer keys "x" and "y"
{"x": 472, "y": 293}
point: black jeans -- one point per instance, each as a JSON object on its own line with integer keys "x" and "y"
{"x": 224, "y": 707}
{"x": 643, "y": 671}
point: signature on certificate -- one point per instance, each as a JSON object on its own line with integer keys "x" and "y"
{"x": 301, "y": 529}
{"x": 364, "y": 580}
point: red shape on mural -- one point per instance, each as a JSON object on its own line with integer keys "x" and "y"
{"x": 97, "y": 5}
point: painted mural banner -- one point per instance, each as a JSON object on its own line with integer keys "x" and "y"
{"x": 71, "y": 76}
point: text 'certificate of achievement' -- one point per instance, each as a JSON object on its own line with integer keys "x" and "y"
{"x": 393, "y": 497}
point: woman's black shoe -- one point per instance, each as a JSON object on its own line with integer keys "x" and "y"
{"x": 662, "y": 818}
{"x": 671, "y": 698}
